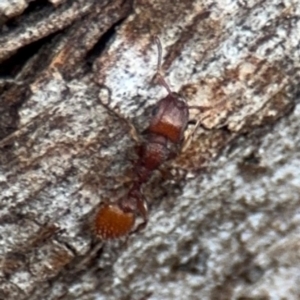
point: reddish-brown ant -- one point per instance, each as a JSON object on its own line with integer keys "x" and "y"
{"x": 162, "y": 140}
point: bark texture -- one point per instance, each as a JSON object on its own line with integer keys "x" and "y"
{"x": 78, "y": 76}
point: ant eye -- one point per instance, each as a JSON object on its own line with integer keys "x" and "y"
{"x": 155, "y": 111}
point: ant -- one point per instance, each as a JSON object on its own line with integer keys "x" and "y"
{"x": 162, "y": 140}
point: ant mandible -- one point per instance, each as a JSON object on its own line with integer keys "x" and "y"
{"x": 162, "y": 140}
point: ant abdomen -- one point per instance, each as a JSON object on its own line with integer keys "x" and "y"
{"x": 112, "y": 222}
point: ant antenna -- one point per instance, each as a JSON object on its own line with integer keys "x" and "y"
{"x": 159, "y": 49}
{"x": 161, "y": 79}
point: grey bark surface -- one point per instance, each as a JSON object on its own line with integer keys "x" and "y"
{"x": 77, "y": 77}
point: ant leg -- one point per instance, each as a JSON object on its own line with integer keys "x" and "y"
{"x": 203, "y": 109}
{"x": 207, "y": 113}
{"x": 8, "y": 80}
{"x": 91, "y": 255}
{"x": 189, "y": 137}
{"x": 142, "y": 208}
{"x": 133, "y": 132}
{"x": 105, "y": 100}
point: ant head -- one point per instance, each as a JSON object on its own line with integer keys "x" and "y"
{"x": 171, "y": 114}
{"x": 170, "y": 117}
{"x": 112, "y": 222}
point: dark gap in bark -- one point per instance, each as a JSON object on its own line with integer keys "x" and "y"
{"x": 32, "y": 8}
{"x": 99, "y": 47}
{"x": 37, "y": 5}
{"x": 13, "y": 65}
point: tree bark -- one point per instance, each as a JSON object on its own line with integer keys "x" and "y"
{"x": 77, "y": 77}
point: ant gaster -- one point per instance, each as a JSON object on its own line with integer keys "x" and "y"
{"x": 162, "y": 140}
